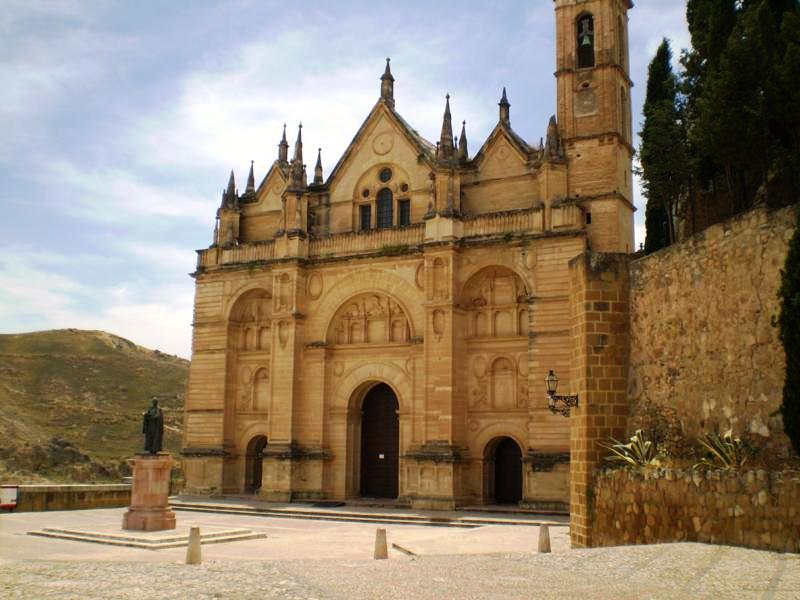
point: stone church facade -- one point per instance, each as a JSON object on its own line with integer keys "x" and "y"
{"x": 385, "y": 332}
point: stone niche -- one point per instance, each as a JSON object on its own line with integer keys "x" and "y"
{"x": 496, "y": 299}
{"x": 369, "y": 319}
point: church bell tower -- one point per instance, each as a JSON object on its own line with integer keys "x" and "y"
{"x": 594, "y": 116}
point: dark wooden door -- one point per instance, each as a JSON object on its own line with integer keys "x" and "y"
{"x": 253, "y": 464}
{"x": 380, "y": 443}
{"x": 507, "y": 472}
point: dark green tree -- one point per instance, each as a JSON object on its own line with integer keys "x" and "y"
{"x": 789, "y": 322}
{"x": 662, "y": 153}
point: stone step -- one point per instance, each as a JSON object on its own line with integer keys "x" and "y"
{"x": 148, "y": 543}
{"x": 352, "y": 518}
{"x": 357, "y": 517}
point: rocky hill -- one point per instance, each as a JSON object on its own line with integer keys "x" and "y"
{"x": 71, "y": 404}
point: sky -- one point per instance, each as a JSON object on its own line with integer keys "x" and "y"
{"x": 120, "y": 122}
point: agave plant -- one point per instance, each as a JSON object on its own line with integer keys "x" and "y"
{"x": 639, "y": 452}
{"x": 723, "y": 452}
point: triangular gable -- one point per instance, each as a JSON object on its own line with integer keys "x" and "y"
{"x": 503, "y": 131}
{"x": 423, "y": 146}
{"x": 271, "y": 187}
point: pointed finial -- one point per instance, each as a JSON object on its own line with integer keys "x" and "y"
{"x": 318, "y": 167}
{"x": 387, "y": 85}
{"x": 446, "y": 146}
{"x": 251, "y": 180}
{"x": 505, "y": 108}
{"x": 552, "y": 148}
{"x": 387, "y": 73}
{"x": 463, "y": 153}
{"x": 231, "y": 183}
{"x": 283, "y": 147}
{"x": 298, "y": 145}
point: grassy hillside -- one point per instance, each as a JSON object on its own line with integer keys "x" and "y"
{"x": 71, "y": 403}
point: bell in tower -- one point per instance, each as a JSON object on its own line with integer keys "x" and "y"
{"x": 585, "y": 42}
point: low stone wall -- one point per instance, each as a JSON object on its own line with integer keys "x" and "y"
{"x": 32, "y": 498}
{"x": 756, "y": 509}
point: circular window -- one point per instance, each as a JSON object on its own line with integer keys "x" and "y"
{"x": 365, "y": 193}
{"x": 404, "y": 187}
{"x": 385, "y": 175}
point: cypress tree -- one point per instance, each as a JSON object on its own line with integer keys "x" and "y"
{"x": 662, "y": 152}
{"x": 789, "y": 323}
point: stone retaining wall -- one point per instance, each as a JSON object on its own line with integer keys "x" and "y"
{"x": 756, "y": 509}
{"x": 32, "y": 498}
{"x": 703, "y": 346}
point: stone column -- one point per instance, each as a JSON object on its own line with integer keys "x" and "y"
{"x": 600, "y": 318}
{"x": 149, "y": 510}
{"x": 288, "y": 297}
{"x": 439, "y": 460}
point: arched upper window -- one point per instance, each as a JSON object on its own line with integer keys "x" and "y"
{"x": 585, "y": 33}
{"x": 385, "y": 209}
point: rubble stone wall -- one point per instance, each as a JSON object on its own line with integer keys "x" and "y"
{"x": 702, "y": 337}
{"x": 756, "y": 509}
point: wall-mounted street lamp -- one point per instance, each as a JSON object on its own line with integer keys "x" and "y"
{"x": 558, "y": 404}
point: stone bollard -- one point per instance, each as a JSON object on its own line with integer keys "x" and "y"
{"x": 381, "y": 550}
{"x": 193, "y": 553}
{"x": 544, "y": 539}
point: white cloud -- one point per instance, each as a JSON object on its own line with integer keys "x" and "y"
{"x": 115, "y": 195}
{"x": 39, "y": 293}
{"x": 228, "y": 114}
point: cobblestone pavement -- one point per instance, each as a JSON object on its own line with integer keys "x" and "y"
{"x": 667, "y": 571}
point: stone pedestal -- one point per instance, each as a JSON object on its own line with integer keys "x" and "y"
{"x": 149, "y": 510}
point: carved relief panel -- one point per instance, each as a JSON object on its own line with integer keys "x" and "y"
{"x": 496, "y": 384}
{"x": 370, "y": 319}
{"x": 284, "y": 298}
{"x": 438, "y": 279}
{"x": 496, "y": 299}
{"x": 251, "y": 322}
{"x": 253, "y": 389}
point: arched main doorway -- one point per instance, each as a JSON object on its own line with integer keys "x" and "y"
{"x": 253, "y": 464}
{"x": 504, "y": 462}
{"x": 380, "y": 443}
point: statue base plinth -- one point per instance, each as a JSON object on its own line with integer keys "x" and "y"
{"x": 149, "y": 510}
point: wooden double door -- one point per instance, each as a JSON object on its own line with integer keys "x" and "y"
{"x": 380, "y": 443}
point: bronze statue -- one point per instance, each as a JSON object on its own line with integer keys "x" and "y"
{"x": 153, "y": 428}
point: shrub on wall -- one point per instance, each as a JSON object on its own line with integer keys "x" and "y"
{"x": 789, "y": 322}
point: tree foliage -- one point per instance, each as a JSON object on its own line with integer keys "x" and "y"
{"x": 724, "y": 134}
{"x": 664, "y": 166}
{"x": 789, "y": 323}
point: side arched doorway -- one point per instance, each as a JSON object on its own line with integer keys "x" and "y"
{"x": 253, "y": 464}
{"x": 504, "y": 471}
{"x": 380, "y": 443}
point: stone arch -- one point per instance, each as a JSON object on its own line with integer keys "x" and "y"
{"x": 369, "y": 181}
{"x": 360, "y": 282}
{"x": 469, "y": 274}
{"x": 491, "y": 431}
{"x": 585, "y": 40}
{"x": 358, "y": 380}
{"x": 503, "y": 470}
{"x": 347, "y": 401}
{"x": 248, "y": 291}
{"x": 369, "y": 318}
{"x": 253, "y": 463}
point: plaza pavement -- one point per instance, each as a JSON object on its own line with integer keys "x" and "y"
{"x": 325, "y": 559}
